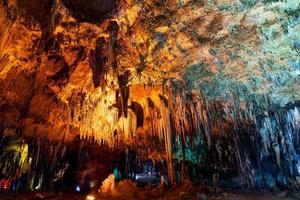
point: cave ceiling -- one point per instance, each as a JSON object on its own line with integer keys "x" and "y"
{"x": 51, "y": 50}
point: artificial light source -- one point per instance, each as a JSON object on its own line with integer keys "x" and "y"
{"x": 77, "y": 189}
{"x": 90, "y": 197}
{"x": 137, "y": 177}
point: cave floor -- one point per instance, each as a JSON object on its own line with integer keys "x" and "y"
{"x": 172, "y": 195}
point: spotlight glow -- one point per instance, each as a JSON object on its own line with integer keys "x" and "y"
{"x": 90, "y": 197}
{"x": 137, "y": 177}
{"x": 77, "y": 189}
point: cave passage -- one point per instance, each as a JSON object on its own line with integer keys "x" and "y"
{"x": 124, "y": 99}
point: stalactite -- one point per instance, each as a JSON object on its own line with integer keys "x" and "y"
{"x": 167, "y": 132}
{"x": 98, "y": 62}
{"x": 128, "y": 125}
{"x": 113, "y": 29}
{"x": 123, "y": 81}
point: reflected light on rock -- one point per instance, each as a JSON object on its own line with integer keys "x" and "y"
{"x": 90, "y": 197}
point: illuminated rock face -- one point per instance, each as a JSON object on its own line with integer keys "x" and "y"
{"x": 212, "y": 83}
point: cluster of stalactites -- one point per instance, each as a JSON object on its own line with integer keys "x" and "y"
{"x": 128, "y": 125}
{"x": 94, "y": 118}
{"x": 265, "y": 145}
{"x": 189, "y": 114}
{"x": 178, "y": 113}
{"x": 280, "y": 134}
{"x": 99, "y": 119}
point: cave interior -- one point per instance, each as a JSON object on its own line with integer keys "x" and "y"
{"x": 126, "y": 99}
